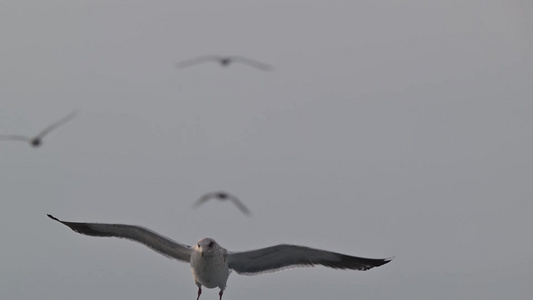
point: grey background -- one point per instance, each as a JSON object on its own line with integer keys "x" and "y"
{"x": 386, "y": 129}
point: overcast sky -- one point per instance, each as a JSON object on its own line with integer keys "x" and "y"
{"x": 387, "y": 128}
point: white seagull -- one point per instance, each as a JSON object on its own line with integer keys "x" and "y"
{"x": 211, "y": 264}
{"x": 224, "y": 61}
{"x": 37, "y": 140}
{"x": 222, "y": 196}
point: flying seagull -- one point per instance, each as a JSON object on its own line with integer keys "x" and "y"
{"x": 211, "y": 264}
{"x": 224, "y": 61}
{"x": 223, "y": 196}
{"x": 38, "y": 139}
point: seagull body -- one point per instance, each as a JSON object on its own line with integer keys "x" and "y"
{"x": 211, "y": 263}
{"x": 223, "y": 196}
{"x": 37, "y": 140}
{"x": 224, "y": 61}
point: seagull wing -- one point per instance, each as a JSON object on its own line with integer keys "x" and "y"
{"x": 203, "y": 199}
{"x": 284, "y": 256}
{"x": 139, "y": 234}
{"x": 253, "y": 63}
{"x": 56, "y": 124}
{"x": 197, "y": 60}
{"x": 14, "y": 137}
{"x": 240, "y": 205}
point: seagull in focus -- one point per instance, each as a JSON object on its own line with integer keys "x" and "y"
{"x": 224, "y": 61}
{"x": 222, "y": 196}
{"x": 211, "y": 264}
{"x": 37, "y": 140}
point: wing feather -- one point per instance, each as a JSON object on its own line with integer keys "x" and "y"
{"x": 139, "y": 234}
{"x": 56, "y": 124}
{"x": 15, "y": 137}
{"x": 279, "y": 257}
{"x": 202, "y": 200}
{"x": 240, "y": 205}
{"x": 253, "y": 63}
{"x": 196, "y": 60}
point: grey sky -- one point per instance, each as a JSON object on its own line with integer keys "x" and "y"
{"x": 385, "y": 129}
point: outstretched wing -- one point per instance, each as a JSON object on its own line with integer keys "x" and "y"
{"x": 15, "y": 137}
{"x": 53, "y": 126}
{"x": 139, "y": 234}
{"x": 197, "y": 60}
{"x": 283, "y": 256}
{"x": 203, "y": 199}
{"x": 253, "y": 63}
{"x": 240, "y": 205}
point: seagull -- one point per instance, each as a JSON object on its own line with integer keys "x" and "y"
{"x": 224, "y": 61}
{"x": 38, "y": 139}
{"x": 211, "y": 264}
{"x": 222, "y": 196}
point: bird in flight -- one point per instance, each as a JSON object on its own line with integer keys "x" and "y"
{"x": 222, "y": 196}
{"x": 37, "y": 140}
{"x": 211, "y": 264}
{"x": 224, "y": 61}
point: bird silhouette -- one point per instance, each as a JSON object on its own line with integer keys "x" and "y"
{"x": 224, "y": 61}
{"x": 222, "y": 196}
{"x": 37, "y": 140}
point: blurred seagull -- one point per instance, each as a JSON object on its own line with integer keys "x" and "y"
{"x": 222, "y": 196}
{"x": 211, "y": 264}
{"x": 37, "y": 140}
{"x": 224, "y": 61}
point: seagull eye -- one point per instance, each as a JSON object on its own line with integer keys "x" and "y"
{"x": 198, "y": 245}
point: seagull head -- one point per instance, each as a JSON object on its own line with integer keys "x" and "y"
{"x": 222, "y": 195}
{"x": 225, "y": 61}
{"x": 206, "y": 246}
{"x": 36, "y": 142}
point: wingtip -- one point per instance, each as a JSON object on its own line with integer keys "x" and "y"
{"x": 53, "y": 218}
{"x": 69, "y": 116}
{"x": 384, "y": 261}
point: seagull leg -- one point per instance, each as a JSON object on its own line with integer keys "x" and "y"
{"x": 220, "y": 294}
{"x": 199, "y": 292}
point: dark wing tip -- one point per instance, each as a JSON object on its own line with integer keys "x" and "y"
{"x": 83, "y": 228}
{"x": 359, "y": 263}
{"x": 53, "y": 218}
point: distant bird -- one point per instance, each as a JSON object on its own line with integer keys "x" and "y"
{"x": 37, "y": 140}
{"x": 224, "y": 61}
{"x": 222, "y": 196}
{"x": 211, "y": 264}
